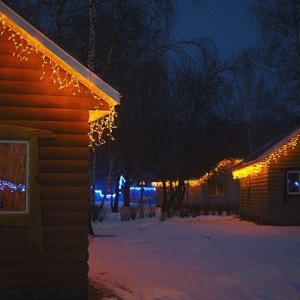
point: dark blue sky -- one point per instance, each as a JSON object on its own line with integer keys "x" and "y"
{"x": 227, "y": 22}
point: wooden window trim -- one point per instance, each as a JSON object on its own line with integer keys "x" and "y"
{"x": 32, "y": 219}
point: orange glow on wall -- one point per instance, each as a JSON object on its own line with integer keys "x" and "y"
{"x": 66, "y": 71}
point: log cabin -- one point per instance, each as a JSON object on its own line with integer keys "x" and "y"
{"x": 269, "y": 181}
{"x": 215, "y": 190}
{"x": 49, "y": 103}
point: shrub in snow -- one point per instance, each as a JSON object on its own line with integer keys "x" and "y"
{"x": 97, "y": 212}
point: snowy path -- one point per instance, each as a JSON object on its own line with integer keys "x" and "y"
{"x": 209, "y": 257}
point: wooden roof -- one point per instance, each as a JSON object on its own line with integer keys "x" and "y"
{"x": 62, "y": 58}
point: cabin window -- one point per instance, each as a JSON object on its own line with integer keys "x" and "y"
{"x": 217, "y": 190}
{"x": 19, "y": 189}
{"x": 13, "y": 176}
{"x": 293, "y": 182}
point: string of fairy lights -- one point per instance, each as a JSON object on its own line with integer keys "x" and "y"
{"x": 243, "y": 172}
{"x": 255, "y": 169}
{"x": 23, "y": 49}
{"x": 222, "y": 165}
{"x": 97, "y": 128}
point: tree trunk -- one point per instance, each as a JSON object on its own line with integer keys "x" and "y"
{"x": 127, "y": 193}
{"x": 92, "y": 36}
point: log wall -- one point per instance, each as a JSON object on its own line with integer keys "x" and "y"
{"x": 264, "y": 198}
{"x": 254, "y": 196}
{"x": 284, "y": 209}
{"x": 27, "y": 100}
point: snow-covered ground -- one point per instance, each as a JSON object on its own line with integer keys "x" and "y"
{"x": 208, "y": 257}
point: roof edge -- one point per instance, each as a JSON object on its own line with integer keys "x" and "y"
{"x": 66, "y": 61}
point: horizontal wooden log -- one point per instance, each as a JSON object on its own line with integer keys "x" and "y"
{"x": 61, "y": 205}
{"x": 43, "y": 282}
{"x": 18, "y": 73}
{"x": 32, "y": 88}
{"x": 56, "y": 127}
{"x": 8, "y": 46}
{"x": 63, "y": 192}
{"x": 50, "y": 101}
{"x": 64, "y": 166}
{"x": 66, "y": 140}
{"x": 34, "y": 258}
{"x": 67, "y": 231}
{"x": 63, "y": 179}
{"x": 43, "y": 271}
{"x": 30, "y": 71}
{"x": 8, "y": 60}
{"x": 13, "y": 233}
{"x": 19, "y": 245}
{"x": 65, "y": 218}
{"x": 64, "y": 153}
{"x": 44, "y": 114}
{"x": 65, "y": 244}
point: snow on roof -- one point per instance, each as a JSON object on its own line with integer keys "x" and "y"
{"x": 67, "y": 62}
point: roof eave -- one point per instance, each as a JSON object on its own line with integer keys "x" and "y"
{"x": 61, "y": 57}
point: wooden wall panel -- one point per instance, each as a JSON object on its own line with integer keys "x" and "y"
{"x": 67, "y": 231}
{"x": 63, "y": 179}
{"x": 61, "y": 205}
{"x": 254, "y": 195}
{"x": 53, "y": 126}
{"x": 38, "y": 271}
{"x": 7, "y": 44}
{"x": 64, "y": 218}
{"x": 66, "y": 140}
{"x": 63, "y": 153}
{"x": 45, "y": 114}
{"x": 14, "y": 245}
{"x": 44, "y": 282}
{"x": 55, "y": 257}
{"x": 12, "y": 232}
{"x": 31, "y": 88}
{"x": 65, "y": 244}
{"x": 64, "y": 192}
{"x": 7, "y": 60}
{"x": 19, "y": 74}
{"x": 64, "y": 166}
{"x": 284, "y": 209}
{"x": 49, "y": 101}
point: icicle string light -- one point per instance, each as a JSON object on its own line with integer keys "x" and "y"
{"x": 224, "y": 164}
{"x": 23, "y": 48}
{"x": 97, "y": 128}
{"x": 255, "y": 169}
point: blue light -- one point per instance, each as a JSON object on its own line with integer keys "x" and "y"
{"x": 107, "y": 195}
{"x": 146, "y": 188}
{"x": 6, "y": 185}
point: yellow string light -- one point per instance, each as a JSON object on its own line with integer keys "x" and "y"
{"x": 97, "y": 128}
{"x": 23, "y": 48}
{"x": 224, "y": 164}
{"x": 255, "y": 169}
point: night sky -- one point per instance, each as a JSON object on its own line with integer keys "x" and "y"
{"x": 227, "y": 22}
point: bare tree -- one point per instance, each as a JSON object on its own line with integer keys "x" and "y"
{"x": 280, "y": 49}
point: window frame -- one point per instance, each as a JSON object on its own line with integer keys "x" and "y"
{"x": 217, "y": 190}
{"x": 28, "y": 170}
{"x": 32, "y": 220}
{"x": 289, "y": 193}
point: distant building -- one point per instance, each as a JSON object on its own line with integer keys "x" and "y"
{"x": 269, "y": 182}
{"x": 215, "y": 188}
